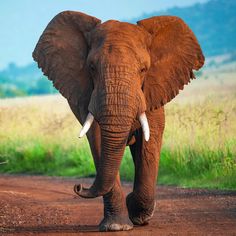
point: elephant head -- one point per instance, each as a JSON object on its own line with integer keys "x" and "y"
{"x": 117, "y": 71}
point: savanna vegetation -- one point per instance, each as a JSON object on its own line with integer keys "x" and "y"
{"x": 39, "y": 135}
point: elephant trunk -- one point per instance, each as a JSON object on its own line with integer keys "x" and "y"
{"x": 113, "y": 142}
{"x": 117, "y": 110}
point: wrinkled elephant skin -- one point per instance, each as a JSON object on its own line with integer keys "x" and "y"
{"x": 117, "y": 77}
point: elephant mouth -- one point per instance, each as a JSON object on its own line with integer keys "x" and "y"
{"x": 142, "y": 119}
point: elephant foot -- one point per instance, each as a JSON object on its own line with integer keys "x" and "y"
{"x": 139, "y": 212}
{"x": 115, "y": 223}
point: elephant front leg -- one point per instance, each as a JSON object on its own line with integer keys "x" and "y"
{"x": 116, "y": 216}
{"x": 141, "y": 202}
{"x": 115, "y": 212}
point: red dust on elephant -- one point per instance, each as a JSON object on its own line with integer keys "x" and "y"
{"x": 117, "y": 77}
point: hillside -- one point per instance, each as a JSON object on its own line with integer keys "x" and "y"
{"x": 22, "y": 81}
{"x": 214, "y": 24}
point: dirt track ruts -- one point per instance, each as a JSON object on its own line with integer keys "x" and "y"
{"x": 35, "y": 205}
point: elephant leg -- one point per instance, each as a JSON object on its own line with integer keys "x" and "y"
{"x": 115, "y": 211}
{"x": 116, "y": 217}
{"x": 146, "y": 155}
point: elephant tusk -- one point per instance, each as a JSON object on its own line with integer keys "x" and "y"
{"x": 87, "y": 124}
{"x": 144, "y": 123}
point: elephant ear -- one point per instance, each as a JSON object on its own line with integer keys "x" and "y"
{"x": 175, "y": 53}
{"x": 61, "y": 52}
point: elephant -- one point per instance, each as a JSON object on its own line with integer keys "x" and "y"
{"x": 117, "y": 77}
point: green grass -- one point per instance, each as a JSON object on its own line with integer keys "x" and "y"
{"x": 184, "y": 167}
{"x": 39, "y": 136}
{"x": 194, "y": 168}
{"x": 38, "y": 157}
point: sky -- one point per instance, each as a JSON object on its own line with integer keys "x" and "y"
{"x": 22, "y": 21}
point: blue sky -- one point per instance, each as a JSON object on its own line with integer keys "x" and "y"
{"x": 22, "y": 21}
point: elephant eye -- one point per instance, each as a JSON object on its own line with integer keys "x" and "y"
{"x": 143, "y": 69}
{"x": 92, "y": 67}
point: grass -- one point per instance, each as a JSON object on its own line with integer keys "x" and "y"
{"x": 38, "y": 135}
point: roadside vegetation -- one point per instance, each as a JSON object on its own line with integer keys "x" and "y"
{"x": 39, "y": 135}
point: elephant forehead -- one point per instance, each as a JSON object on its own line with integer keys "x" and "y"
{"x": 122, "y": 42}
{"x": 114, "y": 31}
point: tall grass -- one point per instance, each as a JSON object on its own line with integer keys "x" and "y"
{"x": 200, "y": 144}
{"x": 39, "y": 136}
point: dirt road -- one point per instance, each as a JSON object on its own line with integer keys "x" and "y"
{"x": 32, "y": 205}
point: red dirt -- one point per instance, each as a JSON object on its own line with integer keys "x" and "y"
{"x": 35, "y": 205}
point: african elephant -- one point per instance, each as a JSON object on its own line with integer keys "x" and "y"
{"x": 117, "y": 77}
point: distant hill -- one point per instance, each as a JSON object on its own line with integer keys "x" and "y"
{"x": 20, "y": 74}
{"x": 22, "y": 81}
{"x": 214, "y": 24}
